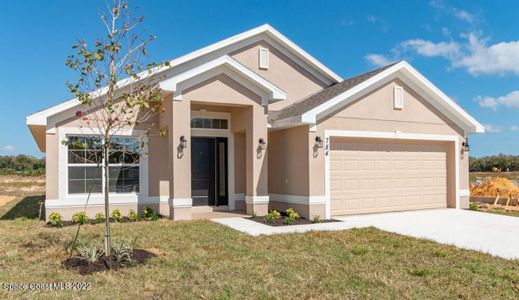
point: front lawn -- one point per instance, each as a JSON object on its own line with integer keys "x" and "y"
{"x": 202, "y": 259}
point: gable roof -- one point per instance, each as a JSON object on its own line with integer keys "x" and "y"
{"x": 324, "y": 95}
{"x": 39, "y": 118}
{"x": 331, "y": 99}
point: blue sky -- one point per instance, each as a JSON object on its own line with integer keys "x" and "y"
{"x": 469, "y": 49}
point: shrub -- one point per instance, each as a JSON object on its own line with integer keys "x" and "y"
{"x": 289, "y": 221}
{"x": 100, "y": 217}
{"x": 473, "y": 206}
{"x": 116, "y": 215}
{"x": 133, "y": 216}
{"x": 123, "y": 251}
{"x": 90, "y": 253}
{"x": 55, "y": 219}
{"x": 149, "y": 214}
{"x": 80, "y": 218}
{"x": 316, "y": 219}
{"x": 292, "y": 213}
{"x": 268, "y": 218}
{"x": 275, "y": 214}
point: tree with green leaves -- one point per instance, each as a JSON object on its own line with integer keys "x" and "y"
{"x": 117, "y": 91}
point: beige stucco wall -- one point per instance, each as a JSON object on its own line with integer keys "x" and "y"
{"x": 375, "y": 112}
{"x": 288, "y": 161}
{"x": 240, "y": 172}
{"x": 283, "y": 72}
{"x": 51, "y": 165}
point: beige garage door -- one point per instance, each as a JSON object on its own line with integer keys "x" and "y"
{"x": 381, "y": 176}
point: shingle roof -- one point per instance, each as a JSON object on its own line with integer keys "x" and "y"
{"x": 324, "y": 95}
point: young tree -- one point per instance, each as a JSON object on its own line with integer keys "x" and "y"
{"x": 116, "y": 90}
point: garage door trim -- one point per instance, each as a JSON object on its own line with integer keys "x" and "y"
{"x": 328, "y": 134}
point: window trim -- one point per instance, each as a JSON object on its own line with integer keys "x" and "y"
{"x": 203, "y": 114}
{"x": 63, "y": 192}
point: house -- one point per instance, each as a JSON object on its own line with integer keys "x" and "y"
{"x": 256, "y": 123}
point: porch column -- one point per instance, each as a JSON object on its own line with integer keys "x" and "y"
{"x": 256, "y": 196}
{"x": 180, "y": 200}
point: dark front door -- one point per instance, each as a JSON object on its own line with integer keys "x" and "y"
{"x": 209, "y": 171}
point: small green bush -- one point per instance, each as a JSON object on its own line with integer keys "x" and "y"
{"x": 473, "y": 206}
{"x": 55, "y": 219}
{"x": 116, "y": 215}
{"x": 316, "y": 219}
{"x": 149, "y": 214}
{"x": 100, "y": 218}
{"x": 80, "y": 218}
{"x": 133, "y": 215}
{"x": 268, "y": 218}
{"x": 292, "y": 213}
{"x": 289, "y": 221}
{"x": 275, "y": 214}
{"x": 90, "y": 253}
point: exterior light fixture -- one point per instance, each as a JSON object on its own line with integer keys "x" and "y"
{"x": 183, "y": 142}
{"x": 465, "y": 145}
{"x": 262, "y": 144}
{"x": 318, "y": 142}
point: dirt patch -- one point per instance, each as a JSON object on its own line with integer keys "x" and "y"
{"x": 85, "y": 267}
{"x": 6, "y": 199}
{"x": 494, "y": 187}
{"x": 280, "y": 221}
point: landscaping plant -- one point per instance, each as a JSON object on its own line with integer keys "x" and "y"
{"x": 133, "y": 215}
{"x": 55, "y": 219}
{"x": 80, "y": 218}
{"x": 99, "y": 218}
{"x": 123, "y": 251}
{"x": 90, "y": 253}
{"x": 149, "y": 214}
{"x": 116, "y": 215}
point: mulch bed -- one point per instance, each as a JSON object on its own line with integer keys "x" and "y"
{"x": 279, "y": 221}
{"x": 92, "y": 221}
{"x": 85, "y": 267}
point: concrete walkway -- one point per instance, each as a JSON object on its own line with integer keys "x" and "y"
{"x": 494, "y": 234}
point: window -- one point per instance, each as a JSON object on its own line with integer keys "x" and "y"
{"x": 398, "y": 102}
{"x": 85, "y": 165}
{"x": 208, "y": 123}
{"x": 263, "y": 58}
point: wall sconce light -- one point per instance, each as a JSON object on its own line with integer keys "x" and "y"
{"x": 183, "y": 142}
{"x": 262, "y": 144}
{"x": 318, "y": 142}
{"x": 465, "y": 145}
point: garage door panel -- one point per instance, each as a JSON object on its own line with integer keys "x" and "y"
{"x": 368, "y": 177}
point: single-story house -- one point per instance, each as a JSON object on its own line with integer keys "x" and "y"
{"x": 256, "y": 123}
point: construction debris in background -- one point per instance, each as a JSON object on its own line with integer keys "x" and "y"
{"x": 494, "y": 187}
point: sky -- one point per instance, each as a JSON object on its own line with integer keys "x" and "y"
{"x": 469, "y": 49}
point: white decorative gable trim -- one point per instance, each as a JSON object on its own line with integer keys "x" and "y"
{"x": 228, "y": 66}
{"x": 408, "y": 75}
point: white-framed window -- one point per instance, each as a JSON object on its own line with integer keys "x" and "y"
{"x": 398, "y": 97}
{"x": 263, "y": 58}
{"x": 209, "y": 123}
{"x": 84, "y": 165}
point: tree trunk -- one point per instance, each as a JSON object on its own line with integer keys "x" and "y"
{"x": 108, "y": 248}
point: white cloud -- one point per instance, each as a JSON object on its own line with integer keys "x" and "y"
{"x": 378, "y": 60}
{"x": 459, "y": 14}
{"x": 447, "y": 50}
{"x": 514, "y": 128}
{"x": 7, "y": 149}
{"x": 510, "y": 101}
{"x": 492, "y": 128}
{"x": 472, "y": 54}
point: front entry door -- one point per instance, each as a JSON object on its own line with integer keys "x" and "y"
{"x": 209, "y": 171}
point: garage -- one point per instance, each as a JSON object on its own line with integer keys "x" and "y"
{"x": 372, "y": 176}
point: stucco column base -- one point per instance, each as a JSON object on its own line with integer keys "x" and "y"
{"x": 464, "y": 202}
{"x": 180, "y": 213}
{"x": 258, "y": 205}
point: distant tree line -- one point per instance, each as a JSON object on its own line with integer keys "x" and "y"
{"x": 502, "y": 162}
{"x": 22, "y": 165}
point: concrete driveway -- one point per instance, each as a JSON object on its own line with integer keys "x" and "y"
{"x": 494, "y": 234}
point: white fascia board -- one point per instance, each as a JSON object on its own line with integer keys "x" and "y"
{"x": 454, "y": 111}
{"x": 171, "y": 84}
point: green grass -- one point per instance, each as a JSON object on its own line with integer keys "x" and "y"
{"x": 486, "y": 208}
{"x": 202, "y": 259}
